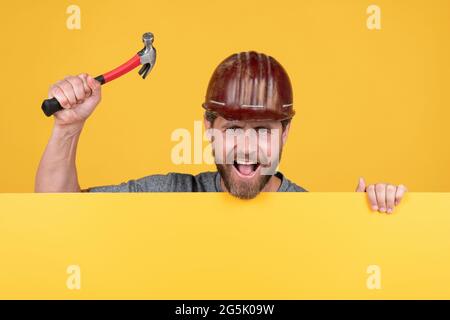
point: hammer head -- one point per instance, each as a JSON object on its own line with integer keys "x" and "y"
{"x": 147, "y": 38}
{"x": 147, "y": 54}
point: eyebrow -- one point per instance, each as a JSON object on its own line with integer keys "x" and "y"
{"x": 257, "y": 126}
{"x": 234, "y": 124}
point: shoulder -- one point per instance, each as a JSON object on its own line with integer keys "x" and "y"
{"x": 207, "y": 181}
{"x": 169, "y": 182}
{"x": 295, "y": 188}
{"x": 288, "y": 186}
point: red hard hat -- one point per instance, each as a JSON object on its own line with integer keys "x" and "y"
{"x": 250, "y": 86}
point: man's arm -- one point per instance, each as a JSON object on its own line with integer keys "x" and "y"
{"x": 57, "y": 170}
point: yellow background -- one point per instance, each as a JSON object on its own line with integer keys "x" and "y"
{"x": 370, "y": 103}
{"x": 279, "y": 246}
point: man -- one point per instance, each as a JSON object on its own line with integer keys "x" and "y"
{"x": 248, "y": 92}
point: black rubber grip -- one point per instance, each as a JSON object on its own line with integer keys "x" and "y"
{"x": 50, "y": 106}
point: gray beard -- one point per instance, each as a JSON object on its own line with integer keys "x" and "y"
{"x": 239, "y": 189}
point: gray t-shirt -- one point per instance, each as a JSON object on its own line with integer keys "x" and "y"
{"x": 182, "y": 182}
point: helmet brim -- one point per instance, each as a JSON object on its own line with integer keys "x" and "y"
{"x": 249, "y": 114}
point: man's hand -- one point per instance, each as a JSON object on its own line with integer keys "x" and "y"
{"x": 382, "y": 196}
{"x": 78, "y": 95}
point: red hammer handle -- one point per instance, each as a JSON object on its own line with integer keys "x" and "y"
{"x": 120, "y": 70}
{"x": 50, "y": 106}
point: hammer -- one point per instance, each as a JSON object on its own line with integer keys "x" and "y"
{"x": 146, "y": 57}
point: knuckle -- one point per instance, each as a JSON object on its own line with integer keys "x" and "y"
{"x": 80, "y": 91}
{"x": 68, "y": 79}
{"x": 57, "y": 91}
{"x": 390, "y": 188}
{"x": 78, "y": 80}
{"x": 75, "y": 81}
{"x": 63, "y": 101}
{"x": 65, "y": 85}
{"x": 380, "y": 187}
{"x": 59, "y": 83}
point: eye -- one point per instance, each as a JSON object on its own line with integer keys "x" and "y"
{"x": 262, "y": 128}
{"x": 230, "y": 129}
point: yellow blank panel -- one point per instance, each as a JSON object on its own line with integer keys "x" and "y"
{"x": 212, "y": 246}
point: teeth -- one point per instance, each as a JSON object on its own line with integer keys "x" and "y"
{"x": 243, "y": 162}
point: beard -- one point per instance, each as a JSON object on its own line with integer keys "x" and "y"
{"x": 243, "y": 189}
{"x": 247, "y": 181}
{"x": 246, "y": 188}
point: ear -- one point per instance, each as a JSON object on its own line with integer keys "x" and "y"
{"x": 285, "y": 133}
{"x": 206, "y": 123}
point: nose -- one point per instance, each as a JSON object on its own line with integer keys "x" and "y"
{"x": 246, "y": 147}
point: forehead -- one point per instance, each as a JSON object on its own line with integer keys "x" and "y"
{"x": 222, "y": 122}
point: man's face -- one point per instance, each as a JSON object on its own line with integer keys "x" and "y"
{"x": 246, "y": 153}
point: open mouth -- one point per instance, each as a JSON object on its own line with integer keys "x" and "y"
{"x": 246, "y": 170}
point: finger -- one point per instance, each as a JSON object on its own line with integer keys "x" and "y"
{"x": 380, "y": 191}
{"x": 78, "y": 89}
{"x": 67, "y": 88}
{"x": 401, "y": 189}
{"x": 94, "y": 85}
{"x": 390, "y": 197}
{"x": 372, "y": 197}
{"x": 87, "y": 89}
{"x": 57, "y": 93}
{"x": 361, "y": 187}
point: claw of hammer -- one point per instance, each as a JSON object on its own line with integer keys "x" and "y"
{"x": 145, "y": 70}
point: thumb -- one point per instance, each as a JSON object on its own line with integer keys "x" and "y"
{"x": 361, "y": 185}
{"x": 94, "y": 85}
